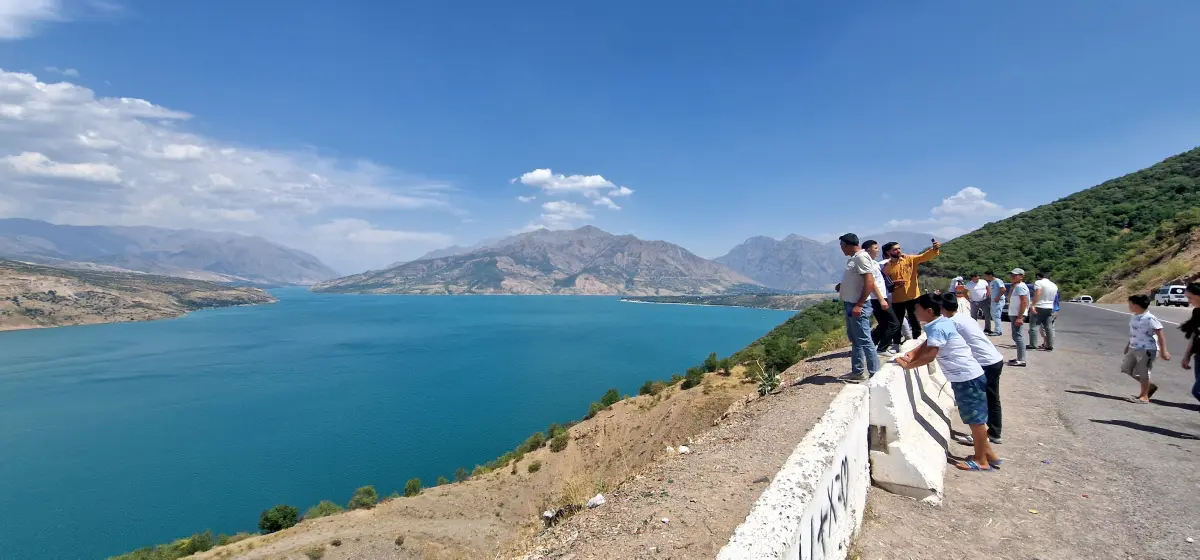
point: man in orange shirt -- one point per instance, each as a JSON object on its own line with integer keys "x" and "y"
{"x": 902, "y": 269}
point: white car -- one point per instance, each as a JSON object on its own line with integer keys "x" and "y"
{"x": 1081, "y": 299}
{"x": 1171, "y": 295}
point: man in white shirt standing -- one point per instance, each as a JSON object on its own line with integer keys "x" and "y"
{"x": 1044, "y": 292}
{"x": 1018, "y": 305}
{"x": 979, "y": 292}
{"x": 858, "y": 283}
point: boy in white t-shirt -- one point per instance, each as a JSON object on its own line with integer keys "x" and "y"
{"x": 1145, "y": 340}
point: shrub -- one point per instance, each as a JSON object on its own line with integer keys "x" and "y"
{"x": 534, "y": 466}
{"x": 652, "y": 388}
{"x": 363, "y": 498}
{"x": 325, "y": 507}
{"x": 768, "y": 378}
{"x": 223, "y": 540}
{"x": 412, "y": 487}
{"x": 315, "y": 552}
{"x": 336, "y": 542}
{"x": 400, "y": 540}
{"x": 535, "y": 442}
{"x": 442, "y": 481}
{"x": 559, "y": 442}
{"x": 593, "y": 409}
{"x": 610, "y": 398}
{"x": 461, "y": 474}
{"x": 726, "y": 366}
{"x": 711, "y": 363}
{"x": 278, "y": 518}
{"x": 479, "y": 470}
{"x": 693, "y": 378}
{"x": 554, "y": 430}
{"x": 675, "y": 379}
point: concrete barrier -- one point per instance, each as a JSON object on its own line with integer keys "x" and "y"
{"x": 909, "y": 435}
{"x": 814, "y": 506}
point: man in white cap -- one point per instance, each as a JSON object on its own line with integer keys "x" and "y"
{"x": 1018, "y": 305}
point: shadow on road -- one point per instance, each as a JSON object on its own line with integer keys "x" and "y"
{"x": 1148, "y": 429}
{"x": 1098, "y": 395}
{"x": 1185, "y": 406}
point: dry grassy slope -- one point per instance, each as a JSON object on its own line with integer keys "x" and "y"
{"x": 1174, "y": 260}
{"x": 51, "y": 297}
{"x": 498, "y": 514}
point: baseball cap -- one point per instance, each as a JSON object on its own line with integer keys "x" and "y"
{"x": 1020, "y": 271}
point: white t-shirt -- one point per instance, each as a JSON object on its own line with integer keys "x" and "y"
{"x": 1014, "y": 298}
{"x": 954, "y": 356}
{"x": 1048, "y": 291}
{"x": 878, "y": 274}
{"x": 981, "y": 348}
{"x": 852, "y": 280}
{"x": 1141, "y": 332}
{"x": 977, "y": 290}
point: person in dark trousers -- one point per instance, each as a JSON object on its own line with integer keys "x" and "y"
{"x": 887, "y": 325}
{"x": 988, "y": 357}
{"x": 902, "y": 269}
{"x": 1191, "y": 330}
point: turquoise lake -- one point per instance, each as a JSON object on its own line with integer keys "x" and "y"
{"x": 124, "y": 435}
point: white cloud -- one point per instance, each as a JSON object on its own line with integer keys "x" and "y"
{"x": 957, "y": 214}
{"x": 19, "y": 18}
{"x": 552, "y": 183}
{"x": 69, "y": 156}
{"x": 34, "y": 164}
{"x": 530, "y": 198}
{"x": 605, "y": 201}
{"x": 560, "y": 213}
{"x": 370, "y": 238}
{"x": 620, "y": 191}
{"x": 69, "y": 72}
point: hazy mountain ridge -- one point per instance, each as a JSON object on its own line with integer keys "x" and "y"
{"x": 586, "y": 261}
{"x": 194, "y": 254}
{"x": 799, "y": 263}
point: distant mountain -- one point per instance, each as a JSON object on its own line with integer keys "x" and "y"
{"x": 454, "y": 250}
{"x": 798, "y": 263}
{"x": 1116, "y": 231}
{"x": 583, "y": 261}
{"x": 194, "y": 254}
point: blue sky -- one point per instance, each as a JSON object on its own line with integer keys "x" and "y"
{"x": 368, "y": 131}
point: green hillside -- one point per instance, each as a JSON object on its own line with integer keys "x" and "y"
{"x": 1081, "y": 237}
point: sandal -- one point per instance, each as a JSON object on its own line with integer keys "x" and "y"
{"x": 971, "y": 465}
{"x": 1136, "y": 400}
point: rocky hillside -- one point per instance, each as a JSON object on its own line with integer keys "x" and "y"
{"x": 586, "y": 261}
{"x": 33, "y": 296}
{"x": 1171, "y": 255}
{"x": 1080, "y": 238}
{"x": 798, "y": 263}
{"x": 199, "y": 255}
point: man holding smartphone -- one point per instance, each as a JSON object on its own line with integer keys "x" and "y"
{"x": 902, "y": 269}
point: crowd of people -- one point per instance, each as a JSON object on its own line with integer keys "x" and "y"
{"x": 889, "y": 291}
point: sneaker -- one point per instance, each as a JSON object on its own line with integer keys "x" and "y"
{"x": 995, "y": 440}
{"x": 1016, "y": 363}
{"x": 895, "y": 349}
{"x": 853, "y": 378}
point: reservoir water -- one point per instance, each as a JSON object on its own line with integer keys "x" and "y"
{"x": 118, "y": 436}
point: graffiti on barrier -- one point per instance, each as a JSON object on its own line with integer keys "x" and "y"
{"x": 835, "y": 503}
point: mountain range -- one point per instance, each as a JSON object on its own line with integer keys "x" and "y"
{"x": 194, "y": 254}
{"x": 797, "y": 263}
{"x": 582, "y": 261}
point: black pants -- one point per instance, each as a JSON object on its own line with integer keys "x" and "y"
{"x": 902, "y": 309}
{"x": 995, "y": 419}
{"x": 888, "y": 326}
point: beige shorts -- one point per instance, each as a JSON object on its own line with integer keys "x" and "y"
{"x": 1138, "y": 363}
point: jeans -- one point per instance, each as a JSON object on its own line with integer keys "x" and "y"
{"x": 993, "y": 397}
{"x": 886, "y": 327}
{"x": 1018, "y": 336}
{"x": 909, "y": 309}
{"x": 998, "y": 314}
{"x": 1196, "y": 371}
{"x": 1042, "y": 319}
{"x": 858, "y": 329}
{"x": 981, "y": 310}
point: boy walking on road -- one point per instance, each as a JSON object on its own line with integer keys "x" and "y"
{"x": 902, "y": 269}
{"x": 1145, "y": 340}
{"x": 1018, "y": 305}
{"x": 954, "y": 358}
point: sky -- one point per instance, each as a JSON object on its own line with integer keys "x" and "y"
{"x": 369, "y": 132}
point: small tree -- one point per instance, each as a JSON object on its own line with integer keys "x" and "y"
{"x": 325, "y": 507}
{"x": 559, "y": 442}
{"x": 593, "y": 409}
{"x": 443, "y": 481}
{"x": 726, "y": 366}
{"x": 461, "y": 474}
{"x": 693, "y": 378}
{"x": 363, "y": 498}
{"x": 535, "y": 442}
{"x": 611, "y": 397}
{"x": 412, "y": 487}
{"x": 711, "y": 363}
{"x": 278, "y": 518}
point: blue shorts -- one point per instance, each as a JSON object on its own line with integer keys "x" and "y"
{"x": 971, "y": 398}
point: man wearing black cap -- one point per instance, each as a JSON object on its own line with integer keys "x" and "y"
{"x": 857, "y": 284}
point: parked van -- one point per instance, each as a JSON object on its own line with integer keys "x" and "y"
{"x": 1171, "y": 295}
{"x": 1082, "y": 299}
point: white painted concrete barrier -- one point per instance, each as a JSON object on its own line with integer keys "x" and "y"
{"x": 910, "y": 429}
{"x": 814, "y": 506}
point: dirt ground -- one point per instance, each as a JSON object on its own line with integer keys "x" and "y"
{"x": 1086, "y": 474}
{"x": 687, "y": 506}
{"x": 498, "y": 515}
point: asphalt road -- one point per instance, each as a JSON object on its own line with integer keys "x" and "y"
{"x": 1087, "y": 474}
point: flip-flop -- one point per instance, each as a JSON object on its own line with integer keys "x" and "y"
{"x": 1136, "y": 400}
{"x": 996, "y": 464}
{"x": 971, "y": 465}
